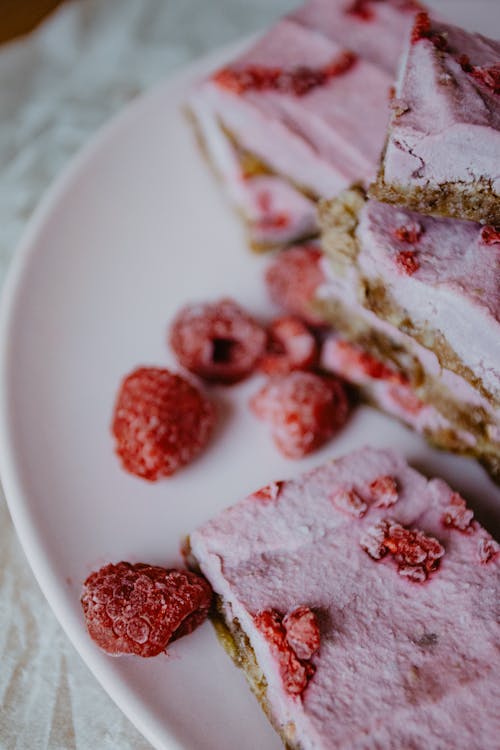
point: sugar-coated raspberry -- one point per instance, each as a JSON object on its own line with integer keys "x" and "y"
{"x": 416, "y": 554}
{"x": 295, "y": 673}
{"x": 490, "y": 235}
{"x": 291, "y": 346}
{"x": 347, "y": 500}
{"x": 302, "y": 631}
{"x": 457, "y": 514}
{"x": 384, "y": 491}
{"x": 139, "y": 609}
{"x": 409, "y": 233}
{"x": 304, "y": 411}
{"x": 407, "y": 262}
{"x": 293, "y": 278}
{"x": 268, "y": 493}
{"x": 487, "y": 549}
{"x": 488, "y": 76}
{"x": 161, "y": 422}
{"x": 218, "y": 341}
{"x": 298, "y": 81}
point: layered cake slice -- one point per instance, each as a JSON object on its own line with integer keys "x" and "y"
{"x": 442, "y": 155}
{"x": 421, "y": 294}
{"x": 285, "y": 122}
{"x": 361, "y": 600}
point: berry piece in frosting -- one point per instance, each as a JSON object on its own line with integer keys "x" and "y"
{"x": 422, "y": 30}
{"x": 161, "y": 422}
{"x": 488, "y": 76}
{"x": 409, "y": 233}
{"x": 348, "y": 501}
{"x": 291, "y": 346}
{"x": 139, "y": 609}
{"x": 407, "y": 262}
{"x": 304, "y": 411}
{"x": 293, "y": 278}
{"x": 302, "y": 631}
{"x": 490, "y": 235}
{"x": 268, "y": 493}
{"x": 217, "y": 341}
{"x": 457, "y": 514}
{"x": 295, "y": 672}
{"x": 487, "y": 549}
{"x": 384, "y": 492}
{"x": 416, "y": 554}
{"x": 298, "y": 81}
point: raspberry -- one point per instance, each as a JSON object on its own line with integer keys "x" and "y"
{"x": 407, "y": 262}
{"x": 405, "y": 399}
{"x": 302, "y": 631}
{"x": 299, "y": 81}
{"x": 293, "y": 278}
{"x": 217, "y": 341}
{"x": 355, "y": 359}
{"x": 490, "y": 235}
{"x": 291, "y": 346}
{"x": 348, "y": 501}
{"x": 295, "y": 673}
{"x": 384, "y": 492}
{"x": 457, "y": 514}
{"x": 304, "y": 411}
{"x": 409, "y": 233}
{"x": 488, "y": 76}
{"x": 416, "y": 554}
{"x": 268, "y": 493}
{"x": 421, "y": 27}
{"x": 139, "y": 609}
{"x": 160, "y": 422}
{"x": 487, "y": 549}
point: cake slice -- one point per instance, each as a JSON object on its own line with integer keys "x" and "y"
{"x": 361, "y": 600}
{"x": 442, "y": 154}
{"x": 287, "y": 118}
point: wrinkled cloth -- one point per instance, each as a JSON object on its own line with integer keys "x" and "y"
{"x": 57, "y": 86}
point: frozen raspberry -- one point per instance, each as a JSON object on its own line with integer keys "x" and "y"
{"x": 304, "y": 411}
{"x": 348, "y": 501}
{"x": 490, "y": 235}
{"x": 457, "y": 514}
{"x": 295, "y": 673}
{"x": 384, "y": 492}
{"x": 488, "y": 76}
{"x": 487, "y": 549}
{"x": 298, "y": 81}
{"x": 139, "y": 609}
{"x": 292, "y": 280}
{"x": 217, "y": 341}
{"x": 268, "y": 493}
{"x": 416, "y": 554}
{"x": 407, "y": 262}
{"x": 302, "y": 631}
{"x": 161, "y": 422}
{"x": 409, "y": 233}
{"x": 291, "y": 346}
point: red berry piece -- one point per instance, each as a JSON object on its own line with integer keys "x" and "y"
{"x": 405, "y": 399}
{"x": 490, "y": 235}
{"x": 407, "y": 262}
{"x": 356, "y": 361}
{"x": 291, "y": 346}
{"x": 488, "y": 77}
{"x": 293, "y": 278}
{"x": 457, "y": 515}
{"x": 269, "y": 493}
{"x": 295, "y": 673}
{"x": 487, "y": 549}
{"x": 416, "y": 554}
{"x": 217, "y": 341}
{"x": 139, "y": 609}
{"x": 409, "y": 233}
{"x": 384, "y": 491}
{"x": 161, "y": 422}
{"x": 361, "y": 9}
{"x": 421, "y": 27}
{"x": 348, "y": 501}
{"x": 465, "y": 64}
{"x": 302, "y": 631}
{"x": 304, "y": 410}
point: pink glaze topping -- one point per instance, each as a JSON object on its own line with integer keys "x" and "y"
{"x": 446, "y": 121}
{"x": 449, "y": 280}
{"x": 409, "y": 638}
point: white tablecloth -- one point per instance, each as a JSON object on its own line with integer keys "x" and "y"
{"x": 57, "y": 87}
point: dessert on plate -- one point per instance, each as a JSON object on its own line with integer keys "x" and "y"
{"x": 443, "y": 148}
{"x": 360, "y": 599}
{"x": 285, "y": 122}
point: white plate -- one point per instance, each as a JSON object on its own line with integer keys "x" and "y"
{"x": 135, "y": 228}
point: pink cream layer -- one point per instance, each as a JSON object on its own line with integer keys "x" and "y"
{"x": 401, "y": 664}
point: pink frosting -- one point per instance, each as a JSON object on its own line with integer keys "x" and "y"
{"x": 319, "y": 140}
{"x": 455, "y": 289}
{"x": 377, "y": 34}
{"x": 401, "y": 664}
{"x": 449, "y": 129}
